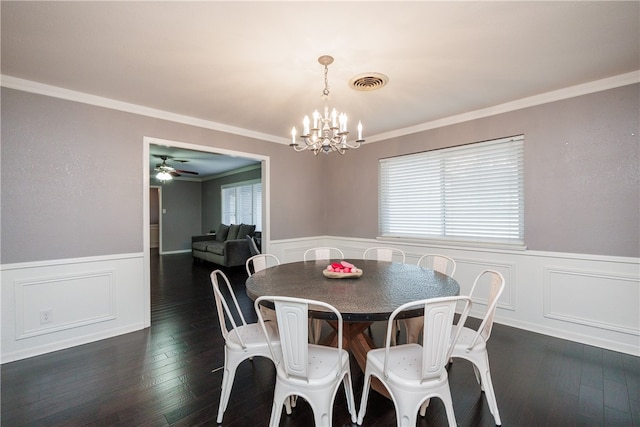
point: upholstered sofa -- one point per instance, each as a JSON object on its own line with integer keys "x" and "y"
{"x": 227, "y": 247}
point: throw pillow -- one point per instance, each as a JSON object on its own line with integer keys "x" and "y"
{"x": 233, "y": 232}
{"x": 246, "y": 230}
{"x": 222, "y": 232}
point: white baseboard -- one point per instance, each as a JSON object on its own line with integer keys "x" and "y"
{"x": 68, "y": 343}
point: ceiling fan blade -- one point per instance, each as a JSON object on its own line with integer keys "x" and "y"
{"x": 174, "y": 174}
{"x": 192, "y": 173}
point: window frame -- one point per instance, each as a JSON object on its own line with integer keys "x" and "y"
{"x": 510, "y": 207}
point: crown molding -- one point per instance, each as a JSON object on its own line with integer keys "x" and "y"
{"x": 544, "y": 98}
{"x": 532, "y": 101}
{"x": 99, "y": 101}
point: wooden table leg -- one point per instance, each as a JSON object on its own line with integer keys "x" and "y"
{"x": 355, "y": 340}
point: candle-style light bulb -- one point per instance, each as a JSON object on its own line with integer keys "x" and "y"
{"x": 293, "y": 135}
{"x": 359, "y": 130}
{"x": 305, "y": 123}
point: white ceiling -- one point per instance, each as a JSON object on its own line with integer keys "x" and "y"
{"x": 253, "y": 65}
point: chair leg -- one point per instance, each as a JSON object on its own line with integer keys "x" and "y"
{"x": 348, "y": 391}
{"x": 487, "y": 383}
{"x": 228, "y": 376}
{"x": 276, "y": 409}
{"x": 478, "y": 375}
{"x": 406, "y": 411}
{"x": 423, "y": 407}
{"x": 448, "y": 405}
{"x": 364, "y": 398}
{"x": 287, "y": 405}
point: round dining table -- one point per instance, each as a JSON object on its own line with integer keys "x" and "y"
{"x": 382, "y": 287}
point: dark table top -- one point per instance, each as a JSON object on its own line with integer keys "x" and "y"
{"x": 382, "y": 288}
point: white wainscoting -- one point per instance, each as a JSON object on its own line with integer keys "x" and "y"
{"x": 590, "y": 299}
{"x": 51, "y": 305}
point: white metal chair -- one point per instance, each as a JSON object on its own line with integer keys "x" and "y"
{"x": 414, "y": 373}
{"x": 258, "y": 263}
{"x": 321, "y": 253}
{"x": 440, "y": 263}
{"x": 383, "y": 253}
{"x": 243, "y": 341}
{"x": 472, "y": 345}
{"x": 253, "y": 247}
{"x": 311, "y": 371}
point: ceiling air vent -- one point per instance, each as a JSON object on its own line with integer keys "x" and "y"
{"x": 368, "y": 81}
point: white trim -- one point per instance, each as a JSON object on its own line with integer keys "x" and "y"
{"x": 266, "y": 184}
{"x": 543, "y": 98}
{"x": 20, "y": 287}
{"x": 85, "y": 98}
{"x": 179, "y": 251}
{"x": 66, "y": 261}
{"x": 68, "y": 343}
{"x": 90, "y": 298}
{"x": 532, "y": 101}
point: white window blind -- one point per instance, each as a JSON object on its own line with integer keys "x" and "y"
{"x": 242, "y": 204}
{"x": 472, "y": 192}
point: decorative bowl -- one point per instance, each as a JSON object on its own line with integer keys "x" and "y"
{"x": 334, "y": 275}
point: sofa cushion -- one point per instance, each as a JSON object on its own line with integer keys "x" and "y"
{"x": 246, "y": 230}
{"x": 222, "y": 232}
{"x": 201, "y": 245}
{"x": 216, "y": 248}
{"x": 233, "y": 232}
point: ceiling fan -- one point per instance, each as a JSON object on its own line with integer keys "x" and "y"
{"x": 166, "y": 172}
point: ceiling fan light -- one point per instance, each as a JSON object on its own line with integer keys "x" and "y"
{"x": 163, "y": 176}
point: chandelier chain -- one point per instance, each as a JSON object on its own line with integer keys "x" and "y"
{"x": 325, "y": 92}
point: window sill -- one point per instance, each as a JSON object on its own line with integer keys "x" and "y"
{"x": 455, "y": 244}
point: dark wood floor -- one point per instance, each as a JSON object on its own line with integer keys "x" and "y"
{"x": 166, "y": 375}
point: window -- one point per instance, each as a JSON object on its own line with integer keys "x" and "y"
{"x": 473, "y": 192}
{"x": 242, "y": 203}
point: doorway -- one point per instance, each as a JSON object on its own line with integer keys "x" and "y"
{"x": 147, "y": 142}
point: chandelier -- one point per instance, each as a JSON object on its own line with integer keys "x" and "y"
{"x": 329, "y": 132}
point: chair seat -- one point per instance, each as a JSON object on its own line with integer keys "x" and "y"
{"x": 464, "y": 342}
{"x": 319, "y": 371}
{"x": 252, "y": 335}
{"x": 405, "y": 362}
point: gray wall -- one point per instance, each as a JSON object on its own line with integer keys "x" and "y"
{"x": 211, "y": 200}
{"x": 582, "y": 173}
{"x": 72, "y": 176}
{"x": 183, "y": 214}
